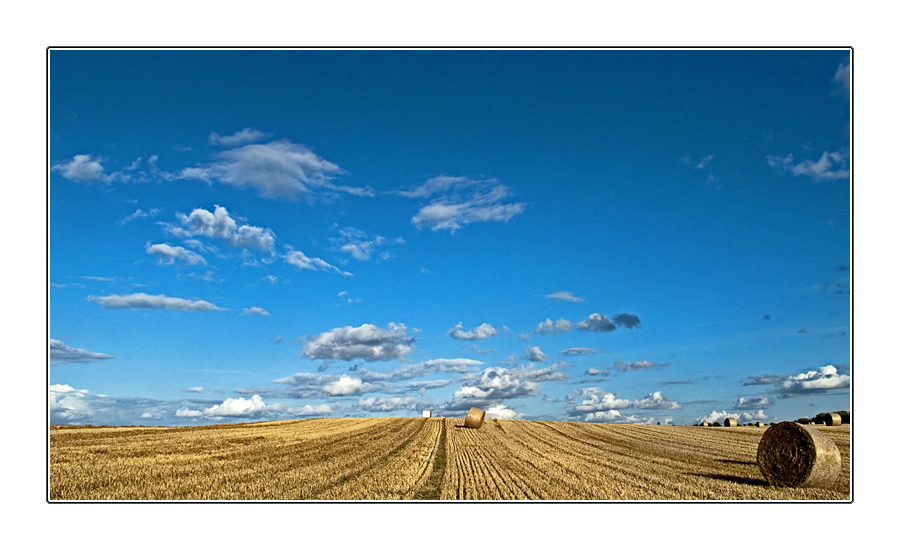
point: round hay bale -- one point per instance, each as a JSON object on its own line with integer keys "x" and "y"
{"x": 730, "y": 422}
{"x": 426, "y": 414}
{"x": 833, "y": 419}
{"x": 760, "y": 424}
{"x": 474, "y": 418}
{"x": 705, "y": 424}
{"x": 794, "y": 455}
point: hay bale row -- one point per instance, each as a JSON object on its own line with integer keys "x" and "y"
{"x": 474, "y": 418}
{"x": 794, "y": 455}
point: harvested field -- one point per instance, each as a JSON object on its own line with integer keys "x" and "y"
{"x": 420, "y": 459}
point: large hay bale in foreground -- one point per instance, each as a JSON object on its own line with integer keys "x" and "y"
{"x": 833, "y": 419}
{"x": 730, "y": 422}
{"x": 474, "y": 418}
{"x": 794, "y": 455}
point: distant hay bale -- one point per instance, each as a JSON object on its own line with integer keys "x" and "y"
{"x": 833, "y": 419}
{"x": 794, "y": 455}
{"x": 730, "y": 422}
{"x": 705, "y": 424}
{"x": 474, "y": 418}
{"x": 426, "y": 414}
{"x": 760, "y": 424}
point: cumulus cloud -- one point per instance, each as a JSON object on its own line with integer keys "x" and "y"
{"x": 255, "y": 311}
{"x": 220, "y": 225}
{"x": 830, "y": 166}
{"x": 368, "y": 342}
{"x": 68, "y": 404}
{"x": 417, "y": 370}
{"x": 61, "y": 354}
{"x": 186, "y": 412}
{"x": 459, "y": 201}
{"x": 750, "y": 403}
{"x": 478, "y": 333}
{"x": 821, "y": 380}
{"x": 243, "y": 137}
{"x": 715, "y": 416}
{"x": 168, "y": 254}
{"x": 597, "y": 323}
{"x": 594, "y": 400}
{"x": 623, "y": 366}
{"x": 302, "y": 261}
{"x": 655, "y": 400}
{"x": 535, "y": 354}
{"x": 146, "y": 301}
{"x": 279, "y": 169}
{"x": 533, "y": 374}
{"x": 492, "y": 386}
{"x": 347, "y": 385}
{"x": 237, "y": 407}
{"x": 502, "y": 412}
{"x": 565, "y": 296}
{"x": 82, "y": 169}
{"x": 601, "y": 323}
{"x": 553, "y": 327}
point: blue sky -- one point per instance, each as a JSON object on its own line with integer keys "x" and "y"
{"x": 602, "y": 236}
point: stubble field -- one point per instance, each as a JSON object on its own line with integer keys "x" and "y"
{"x": 419, "y": 459}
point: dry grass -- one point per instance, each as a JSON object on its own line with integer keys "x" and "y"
{"x": 420, "y": 458}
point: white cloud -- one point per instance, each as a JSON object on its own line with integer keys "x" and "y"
{"x": 368, "y": 342}
{"x": 379, "y": 404}
{"x": 842, "y": 78}
{"x": 594, "y": 400}
{"x": 749, "y": 417}
{"x": 243, "y": 137}
{"x": 360, "y": 245}
{"x": 68, "y": 404}
{"x": 655, "y": 400}
{"x": 566, "y": 296}
{"x": 185, "y": 412}
{"x": 478, "y": 333}
{"x": 347, "y": 385}
{"x": 597, "y": 323}
{"x": 138, "y": 214}
{"x": 302, "y": 261}
{"x": 715, "y": 416}
{"x": 603, "y": 416}
{"x": 310, "y": 410}
{"x": 146, "y": 301}
{"x": 83, "y": 169}
{"x": 502, "y": 412}
{"x": 255, "y": 311}
{"x": 830, "y": 166}
{"x": 823, "y": 379}
{"x": 553, "y": 327}
{"x": 220, "y": 225}
{"x": 237, "y": 407}
{"x": 168, "y": 254}
{"x": 279, "y": 169}
{"x": 704, "y": 162}
{"x": 535, "y": 354}
{"x": 61, "y": 354}
{"x": 462, "y": 201}
{"x": 195, "y": 389}
{"x": 752, "y": 403}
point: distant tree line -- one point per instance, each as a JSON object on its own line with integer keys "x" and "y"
{"x": 820, "y": 418}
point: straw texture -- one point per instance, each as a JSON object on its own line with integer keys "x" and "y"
{"x": 474, "y": 418}
{"x": 794, "y": 455}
